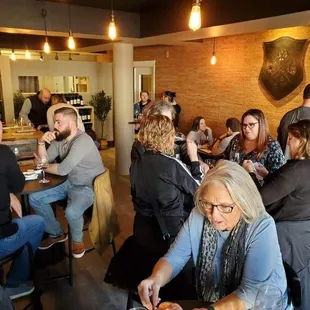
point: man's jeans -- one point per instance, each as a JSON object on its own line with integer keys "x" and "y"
{"x": 30, "y": 229}
{"x": 80, "y": 198}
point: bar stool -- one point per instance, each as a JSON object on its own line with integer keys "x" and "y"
{"x": 35, "y": 296}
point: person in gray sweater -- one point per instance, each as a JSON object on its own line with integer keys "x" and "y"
{"x": 80, "y": 160}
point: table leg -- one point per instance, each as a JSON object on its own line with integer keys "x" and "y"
{"x": 25, "y": 204}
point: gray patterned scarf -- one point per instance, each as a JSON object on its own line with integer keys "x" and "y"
{"x": 232, "y": 261}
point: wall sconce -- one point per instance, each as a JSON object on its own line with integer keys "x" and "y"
{"x": 56, "y": 57}
{"x": 41, "y": 56}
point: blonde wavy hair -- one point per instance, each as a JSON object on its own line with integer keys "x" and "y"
{"x": 240, "y": 186}
{"x": 157, "y": 134}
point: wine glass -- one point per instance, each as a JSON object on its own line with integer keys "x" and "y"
{"x": 269, "y": 297}
{"x": 42, "y": 163}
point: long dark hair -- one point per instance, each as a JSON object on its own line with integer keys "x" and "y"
{"x": 196, "y": 122}
{"x": 170, "y": 94}
{"x": 301, "y": 131}
{"x": 263, "y": 132}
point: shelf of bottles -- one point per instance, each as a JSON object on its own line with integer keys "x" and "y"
{"x": 86, "y": 111}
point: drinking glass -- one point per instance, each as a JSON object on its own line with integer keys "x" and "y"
{"x": 211, "y": 163}
{"x": 268, "y": 297}
{"x": 42, "y": 163}
{"x": 236, "y": 158}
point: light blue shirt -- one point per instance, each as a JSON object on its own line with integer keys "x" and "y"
{"x": 263, "y": 261}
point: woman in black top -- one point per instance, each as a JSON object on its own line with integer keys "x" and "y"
{"x": 15, "y": 233}
{"x": 160, "y": 184}
{"x": 286, "y": 195}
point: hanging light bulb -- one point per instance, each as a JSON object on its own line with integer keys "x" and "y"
{"x": 71, "y": 42}
{"x": 13, "y": 56}
{"x": 195, "y": 18}
{"x": 41, "y": 56}
{"x": 213, "y": 58}
{"x": 46, "y": 47}
{"x": 27, "y": 54}
{"x": 112, "y": 28}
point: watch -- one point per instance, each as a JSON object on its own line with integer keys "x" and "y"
{"x": 210, "y": 308}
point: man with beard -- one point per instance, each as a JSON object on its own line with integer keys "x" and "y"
{"x": 81, "y": 161}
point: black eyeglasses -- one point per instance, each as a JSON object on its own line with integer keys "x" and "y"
{"x": 208, "y": 206}
{"x": 250, "y": 125}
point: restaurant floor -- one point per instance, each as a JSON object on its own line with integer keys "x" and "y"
{"x": 89, "y": 291}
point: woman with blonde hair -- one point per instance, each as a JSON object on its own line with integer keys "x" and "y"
{"x": 233, "y": 243}
{"x": 286, "y": 195}
{"x": 255, "y": 143}
{"x": 159, "y": 183}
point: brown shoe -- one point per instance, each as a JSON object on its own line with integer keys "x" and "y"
{"x": 47, "y": 243}
{"x": 78, "y": 249}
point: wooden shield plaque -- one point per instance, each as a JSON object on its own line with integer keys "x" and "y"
{"x": 283, "y": 67}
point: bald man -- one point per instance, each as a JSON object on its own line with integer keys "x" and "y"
{"x": 35, "y": 107}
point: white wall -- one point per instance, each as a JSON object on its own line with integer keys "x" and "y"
{"x": 100, "y": 77}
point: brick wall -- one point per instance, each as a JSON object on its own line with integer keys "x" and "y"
{"x": 230, "y": 87}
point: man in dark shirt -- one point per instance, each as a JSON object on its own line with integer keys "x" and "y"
{"x": 35, "y": 108}
{"x": 15, "y": 233}
{"x": 293, "y": 116}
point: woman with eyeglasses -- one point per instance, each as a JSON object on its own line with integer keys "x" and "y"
{"x": 286, "y": 195}
{"x": 233, "y": 243}
{"x": 255, "y": 143}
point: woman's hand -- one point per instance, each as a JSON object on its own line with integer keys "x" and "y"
{"x": 248, "y": 166}
{"x": 146, "y": 289}
{"x": 192, "y": 150}
{"x": 204, "y": 166}
{"x": 261, "y": 170}
{"x": 15, "y": 205}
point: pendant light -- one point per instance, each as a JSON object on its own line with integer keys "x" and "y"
{"x": 112, "y": 27}
{"x": 195, "y": 18}
{"x": 13, "y": 56}
{"x": 213, "y": 58}
{"x": 71, "y": 42}
{"x": 27, "y": 53}
{"x": 46, "y": 47}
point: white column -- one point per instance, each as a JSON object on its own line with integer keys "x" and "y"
{"x": 123, "y": 105}
{"x": 7, "y": 90}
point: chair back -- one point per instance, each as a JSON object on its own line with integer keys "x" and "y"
{"x": 293, "y": 285}
{"x": 104, "y": 224}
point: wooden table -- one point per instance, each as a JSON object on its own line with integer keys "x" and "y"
{"x": 12, "y": 135}
{"x": 35, "y": 186}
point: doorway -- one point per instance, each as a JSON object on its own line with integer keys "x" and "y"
{"x": 144, "y": 79}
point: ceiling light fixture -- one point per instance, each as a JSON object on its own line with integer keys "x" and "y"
{"x": 213, "y": 58}
{"x": 41, "y": 56}
{"x": 46, "y": 47}
{"x": 56, "y": 57}
{"x": 27, "y": 54}
{"x": 195, "y": 17}
{"x": 71, "y": 42}
{"x": 112, "y": 26}
{"x": 13, "y": 56}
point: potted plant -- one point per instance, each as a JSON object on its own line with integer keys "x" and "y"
{"x": 102, "y": 106}
{"x": 18, "y": 100}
